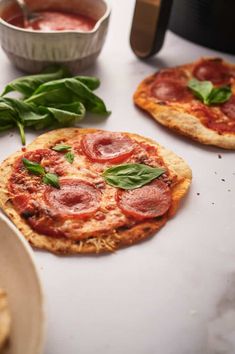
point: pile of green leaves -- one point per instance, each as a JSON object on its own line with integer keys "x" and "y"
{"x": 50, "y": 100}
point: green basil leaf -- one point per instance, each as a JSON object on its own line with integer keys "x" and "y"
{"x": 57, "y": 95}
{"x": 220, "y": 95}
{"x": 131, "y": 176}
{"x": 208, "y": 94}
{"x": 91, "y": 82}
{"x": 69, "y": 157}
{"x": 26, "y": 113}
{"x": 52, "y": 99}
{"x": 22, "y": 132}
{"x": 91, "y": 102}
{"x": 51, "y": 179}
{"x": 61, "y": 147}
{"x": 65, "y": 117}
{"x": 7, "y": 112}
{"x": 28, "y": 84}
{"x": 201, "y": 89}
{"x": 33, "y": 167}
{"x": 72, "y": 88}
{"x": 5, "y": 127}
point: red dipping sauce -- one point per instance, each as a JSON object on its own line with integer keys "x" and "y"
{"x": 55, "y": 21}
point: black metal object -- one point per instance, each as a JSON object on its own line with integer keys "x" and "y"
{"x": 207, "y": 22}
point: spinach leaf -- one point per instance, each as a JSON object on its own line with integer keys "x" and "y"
{"x": 28, "y": 84}
{"x": 131, "y": 176}
{"x": 208, "y": 94}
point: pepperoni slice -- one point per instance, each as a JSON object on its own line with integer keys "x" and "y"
{"x": 172, "y": 74}
{"x": 167, "y": 90}
{"x": 212, "y": 70}
{"x": 149, "y": 201}
{"x": 22, "y": 202}
{"x": 107, "y": 147}
{"x": 75, "y": 198}
{"x": 213, "y": 119}
{"x": 228, "y": 108}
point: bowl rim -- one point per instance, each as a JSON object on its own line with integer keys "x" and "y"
{"x": 21, "y": 239}
{"x": 38, "y": 32}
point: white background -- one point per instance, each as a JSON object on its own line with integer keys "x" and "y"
{"x": 175, "y": 293}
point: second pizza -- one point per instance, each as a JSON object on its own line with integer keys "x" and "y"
{"x": 196, "y": 100}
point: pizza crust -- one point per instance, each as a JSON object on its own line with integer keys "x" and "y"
{"x": 4, "y": 319}
{"x": 117, "y": 238}
{"x": 179, "y": 121}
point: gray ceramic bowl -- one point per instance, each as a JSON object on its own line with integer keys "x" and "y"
{"x": 32, "y": 50}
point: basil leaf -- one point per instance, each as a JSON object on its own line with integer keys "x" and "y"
{"x": 59, "y": 95}
{"x": 5, "y": 127}
{"x": 208, "y": 94}
{"x": 51, "y": 179}
{"x": 22, "y": 132}
{"x": 69, "y": 157}
{"x": 91, "y": 82}
{"x": 28, "y": 84}
{"x": 131, "y": 176}
{"x": 52, "y": 99}
{"x": 66, "y": 117}
{"x": 72, "y": 88}
{"x": 201, "y": 89}
{"x": 33, "y": 167}
{"x": 61, "y": 147}
{"x": 220, "y": 95}
{"x": 26, "y": 113}
{"x": 92, "y": 102}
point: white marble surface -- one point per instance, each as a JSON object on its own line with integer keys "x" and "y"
{"x": 175, "y": 293}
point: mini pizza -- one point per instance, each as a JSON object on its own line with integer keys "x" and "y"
{"x": 196, "y": 100}
{"x": 89, "y": 191}
{"x": 5, "y": 319}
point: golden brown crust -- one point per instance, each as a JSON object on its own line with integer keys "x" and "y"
{"x": 116, "y": 238}
{"x": 4, "y": 318}
{"x": 177, "y": 119}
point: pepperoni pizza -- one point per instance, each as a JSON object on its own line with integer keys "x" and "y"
{"x": 168, "y": 99}
{"x": 83, "y": 213}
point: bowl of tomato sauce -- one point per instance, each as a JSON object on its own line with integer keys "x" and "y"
{"x": 67, "y": 32}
